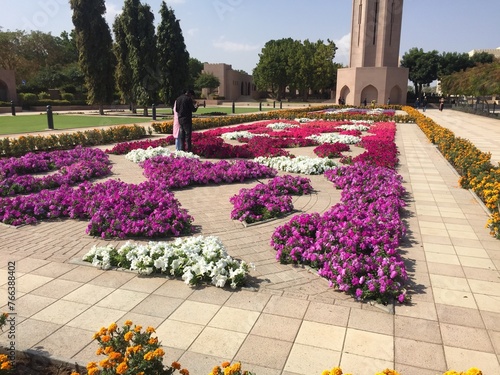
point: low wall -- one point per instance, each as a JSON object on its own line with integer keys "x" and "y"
{"x": 9, "y": 109}
{"x": 43, "y": 108}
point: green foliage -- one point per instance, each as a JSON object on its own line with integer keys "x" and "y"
{"x": 95, "y": 54}
{"x": 173, "y": 58}
{"x": 24, "y": 144}
{"x": 206, "y": 81}
{"x": 423, "y": 67}
{"x": 481, "y": 80}
{"x": 28, "y": 98}
{"x": 67, "y": 96}
{"x": 297, "y": 65}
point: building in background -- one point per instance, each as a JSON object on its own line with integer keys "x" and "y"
{"x": 8, "y": 86}
{"x": 494, "y": 51}
{"x": 234, "y": 85}
{"x": 374, "y": 73}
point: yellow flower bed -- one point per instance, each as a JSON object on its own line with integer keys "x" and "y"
{"x": 474, "y": 166}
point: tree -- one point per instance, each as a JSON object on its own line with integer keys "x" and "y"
{"x": 478, "y": 81}
{"x": 272, "y": 70}
{"x": 423, "y": 67}
{"x": 483, "y": 58}
{"x": 173, "y": 58}
{"x": 135, "y": 48}
{"x": 451, "y": 62}
{"x": 95, "y": 54}
{"x": 207, "y": 81}
{"x": 195, "y": 69}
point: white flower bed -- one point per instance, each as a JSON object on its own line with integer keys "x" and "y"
{"x": 359, "y": 127}
{"x": 334, "y": 138}
{"x": 241, "y": 134}
{"x": 299, "y": 164}
{"x": 281, "y": 125}
{"x": 140, "y": 155}
{"x": 194, "y": 259}
{"x": 306, "y": 119}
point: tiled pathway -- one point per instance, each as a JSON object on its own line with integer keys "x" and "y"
{"x": 289, "y": 322}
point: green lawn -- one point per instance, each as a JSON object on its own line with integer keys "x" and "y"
{"x": 38, "y": 122}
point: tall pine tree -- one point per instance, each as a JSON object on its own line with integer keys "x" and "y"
{"x": 173, "y": 58}
{"x": 95, "y": 54}
{"x": 136, "y": 48}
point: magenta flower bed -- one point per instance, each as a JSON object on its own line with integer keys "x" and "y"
{"x": 181, "y": 172}
{"x": 74, "y": 166}
{"x": 266, "y": 201}
{"x": 355, "y": 243}
{"x": 331, "y": 150}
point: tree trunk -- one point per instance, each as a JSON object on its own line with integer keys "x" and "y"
{"x": 101, "y": 109}
{"x": 145, "y": 111}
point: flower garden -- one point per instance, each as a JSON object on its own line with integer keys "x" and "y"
{"x": 354, "y": 244}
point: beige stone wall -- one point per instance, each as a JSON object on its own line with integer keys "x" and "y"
{"x": 233, "y": 84}
{"x": 8, "y": 86}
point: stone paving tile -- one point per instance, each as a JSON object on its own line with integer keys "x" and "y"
{"x": 218, "y": 342}
{"x": 419, "y": 354}
{"x": 458, "y": 358}
{"x": 234, "y": 319}
{"x": 363, "y": 365}
{"x": 417, "y": 329}
{"x": 264, "y": 351}
{"x": 62, "y": 342}
{"x": 60, "y": 312}
{"x": 305, "y": 359}
{"x": 321, "y": 335}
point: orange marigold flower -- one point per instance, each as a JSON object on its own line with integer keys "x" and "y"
{"x": 153, "y": 340}
{"x": 184, "y": 371}
{"x": 105, "y": 338}
{"x": 128, "y": 323}
{"x": 148, "y": 356}
{"x": 138, "y": 328}
{"x": 115, "y": 356}
{"x": 159, "y": 352}
{"x": 93, "y": 371}
{"x": 108, "y": 349}
{"x": 112, "y": 327}
{"x": 122, "y": 368}
{"x": 105, "y": 363}
{"x": 225, "y": 364}
{"x": 150, "y": 330}
{"x": 91, "y": 365}
{"x": 3, "y": 357}
{"x": 215, "y": 370}
{"x": 176, "y": 365}
{"x": 6, "y": 366}
{"x": 236, "y": 367}
{"x": 128, "y": 336}
{"x": 99, "y": 351}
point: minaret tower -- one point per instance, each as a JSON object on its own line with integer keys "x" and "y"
{"x": 374, "y": 72}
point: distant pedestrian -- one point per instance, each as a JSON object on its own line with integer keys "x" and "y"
{"x": 441, "y": 104}
{"x": 185, "y": 106}
{"x": 176, "y": 131}
{"x": 365, "y": 102}
{"x": 388, "y": 101}
{"x": 424, "y": 103}
{"x": 417, "y": 104}
{"x": 373, "y": 103}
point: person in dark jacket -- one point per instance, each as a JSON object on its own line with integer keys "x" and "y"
{"x": 185, "y": 105}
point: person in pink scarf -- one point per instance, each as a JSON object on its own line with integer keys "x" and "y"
{"x": 176, "y": 131}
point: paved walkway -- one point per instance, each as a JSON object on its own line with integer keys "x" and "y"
{"x": 289, "y": 322}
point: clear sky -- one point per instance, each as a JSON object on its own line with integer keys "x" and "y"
{"x": 234, "y": 31}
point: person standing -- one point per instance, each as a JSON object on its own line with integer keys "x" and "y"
{"x": 364, "y": 102}
{"x": 176, "y": 130}
{"x": 441, "y": 104}
{"x": 424, "y": 103}
{"x": 185, "y": 106}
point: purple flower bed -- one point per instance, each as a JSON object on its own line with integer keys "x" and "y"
{"x": 75, "y": 166}
{"x": 181, "y": 172}
{"x": 355, "y": 243}
{"x": 270, "y": 200}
